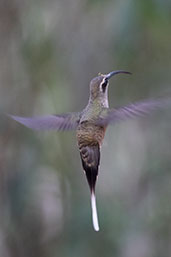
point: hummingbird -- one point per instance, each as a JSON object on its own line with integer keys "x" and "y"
{"x": 90, "y": 125}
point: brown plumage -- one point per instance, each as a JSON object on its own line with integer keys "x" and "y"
{"x": 90, "y": 137}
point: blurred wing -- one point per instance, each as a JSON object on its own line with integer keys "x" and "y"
{"x": 68, "y": 121}
{"x": 138, "y": 109}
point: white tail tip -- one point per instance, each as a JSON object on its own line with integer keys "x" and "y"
{"x": 94, "y": 212}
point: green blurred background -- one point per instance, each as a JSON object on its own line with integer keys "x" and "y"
{"x": 49, "y": 51}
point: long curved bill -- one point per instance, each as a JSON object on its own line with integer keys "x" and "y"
{"x": 112, "y": 73}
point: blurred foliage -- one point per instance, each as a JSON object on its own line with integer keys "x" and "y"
{"x": 49, "y": 51}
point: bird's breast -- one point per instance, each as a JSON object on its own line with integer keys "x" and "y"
{"x": 90, "y": 134}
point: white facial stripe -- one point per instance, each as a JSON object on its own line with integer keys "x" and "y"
{"x": 104, "y": 94}
{"x": 103, "y": 81}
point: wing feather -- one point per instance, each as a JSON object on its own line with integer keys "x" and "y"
{"x": 133, "y": 110}
{"x": 68, "y": 121}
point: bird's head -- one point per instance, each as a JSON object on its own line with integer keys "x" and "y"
{"x": 99, "y": 86}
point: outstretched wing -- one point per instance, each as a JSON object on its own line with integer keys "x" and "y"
{"x": 68, "y": 121}
{"x": 138, "y": 109}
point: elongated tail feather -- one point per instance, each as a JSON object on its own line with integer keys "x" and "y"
{"x": 90, "y": 156}
{"x": 94, "y": 212}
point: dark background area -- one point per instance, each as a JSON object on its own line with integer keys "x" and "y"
{"x": 49, "y": 52}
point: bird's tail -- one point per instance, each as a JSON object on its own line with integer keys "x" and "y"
{"x": 90, "y": 156}
{"x": 94, "y": 211}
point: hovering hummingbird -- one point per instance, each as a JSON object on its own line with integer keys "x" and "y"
{"x": 90, "y": 125}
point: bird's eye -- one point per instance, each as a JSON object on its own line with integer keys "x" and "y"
{"x": 104, "y": 85}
